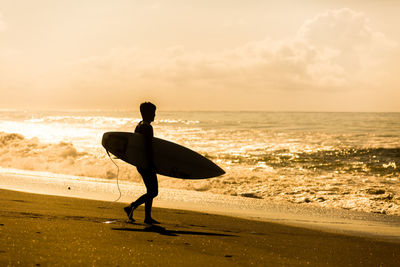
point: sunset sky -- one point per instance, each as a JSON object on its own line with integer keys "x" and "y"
{"x": 288, "y": 55}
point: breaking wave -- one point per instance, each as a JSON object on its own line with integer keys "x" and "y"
{"x": 18, "y": 152}
{"x": 347, "y": 161}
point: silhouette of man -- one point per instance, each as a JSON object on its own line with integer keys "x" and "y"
{"x": 149, "y": 176}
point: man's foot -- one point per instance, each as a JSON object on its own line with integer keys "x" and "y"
{"x": 129, "y": 212}
{"x": 151, "y": 221}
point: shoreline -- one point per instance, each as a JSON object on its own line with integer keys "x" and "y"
{"x": 378, "y": 226}
{"x": 48, "y": 230}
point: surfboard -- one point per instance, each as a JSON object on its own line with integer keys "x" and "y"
{"x": 170, "y": 159}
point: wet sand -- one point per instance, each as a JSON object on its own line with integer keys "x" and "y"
{"x": 47, "y": 230}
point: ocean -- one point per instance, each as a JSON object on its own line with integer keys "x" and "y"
{"x": 335, "y": 160}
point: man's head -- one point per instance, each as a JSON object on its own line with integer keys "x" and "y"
{"x": 148, "y": 111}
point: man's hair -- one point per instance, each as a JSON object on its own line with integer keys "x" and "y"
{"x": 147, "y": 108}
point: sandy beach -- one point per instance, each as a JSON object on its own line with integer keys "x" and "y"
{"x": 51, "y": 230}
{"x": 259, "y": 133}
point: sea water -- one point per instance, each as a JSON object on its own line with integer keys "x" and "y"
{"x": 343, "y": 160}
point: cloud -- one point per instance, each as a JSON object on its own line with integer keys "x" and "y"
{"x": 333, "y": 50}
{"x": 346, "y": 47}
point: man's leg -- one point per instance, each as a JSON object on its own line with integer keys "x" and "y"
{"x": 129, "y": 209}
{"x": 151, "y": 183}
{"x": 142, "y": 199}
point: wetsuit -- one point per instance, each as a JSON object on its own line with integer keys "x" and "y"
{"x": 148, "y": 174}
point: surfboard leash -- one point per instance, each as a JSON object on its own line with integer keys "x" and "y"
{"x": 119, "y": 190}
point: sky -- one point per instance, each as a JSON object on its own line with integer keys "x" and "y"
{"x": 288, "y": 55}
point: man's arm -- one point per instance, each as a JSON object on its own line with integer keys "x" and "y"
{"x": 148, "y": 145}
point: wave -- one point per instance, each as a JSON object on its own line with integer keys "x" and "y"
{"x": 329, "y": 178}
{"x": 104, "y": 121}
{"x": 368, "y": 161}
{"x": 18, "y": 152}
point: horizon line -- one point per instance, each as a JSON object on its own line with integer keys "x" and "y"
{"x": 187, "y": 110}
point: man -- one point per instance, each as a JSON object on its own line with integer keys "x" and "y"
{"x": 149, "y": 176}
